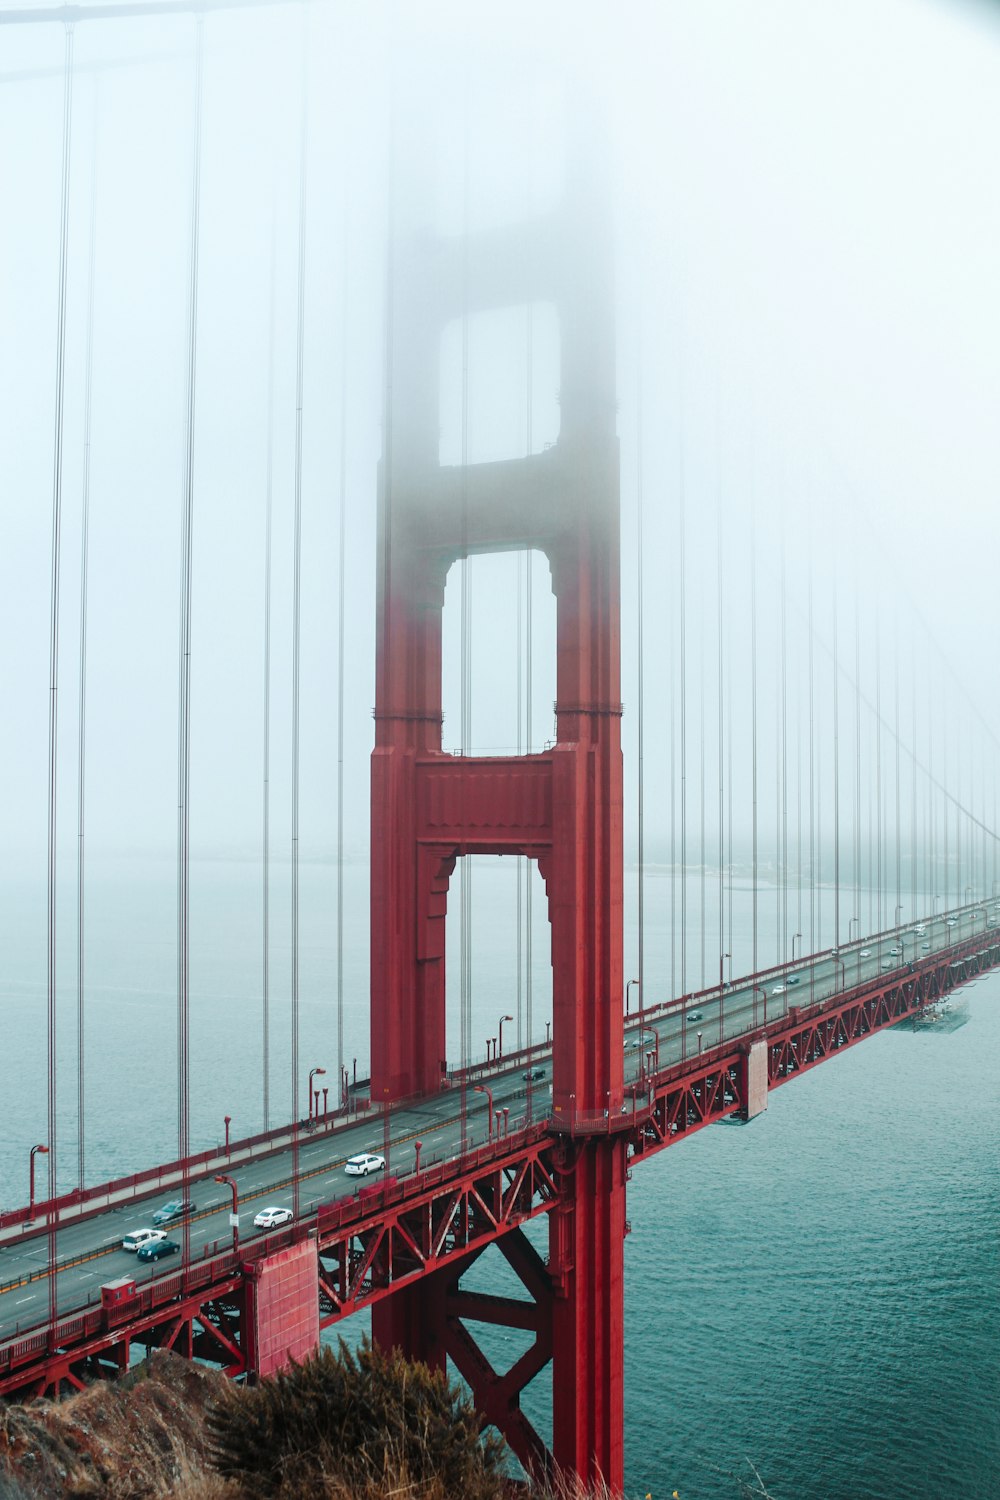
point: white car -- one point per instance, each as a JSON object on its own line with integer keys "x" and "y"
{"x": 895, "y": 952}
{"x": 779, "y": 989}
{"x": 865, "y": 953}
{"x": 139, "y": 1237}
{"x": 920, "y": 929}
{"x": 270, "y": 1218}
{"x": 360, "y": 1166}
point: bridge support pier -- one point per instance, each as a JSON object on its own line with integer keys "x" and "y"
{"x": 586, "y": 1258}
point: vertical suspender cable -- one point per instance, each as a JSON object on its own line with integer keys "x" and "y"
{"x": 783, "y": 955}
{"x": 857, "y": 757}
{"x": 466, "y": 603}
{"x": 812, "y": 761}
{"x": 753, "y": 704}
{"x": 798, "y": 793}
{"x": 528, "y": 642}
{"x": 701, "y": 798}
{"x": 57, "y": 464}
{"x": 528, "y": 624}
{"x": 682, "y": 558}
{"x": 300, "y": 324}
{"x": 724, "y": 947}
{"x": 519, "y": 862}
{"x": 639, "y": 722}
{"x": 184, "y": 705}
{"x": 265, "y": 1015}
{"x": 878, "y": 771}
{"x": 525, "y": 882}
{"x": 897, "y": 914}
{"x": 913, "y": 812}
{"x": 729, "y": 782}
{"x": 780, "y": 876}
{"x": 672, "y": 654}
{"x": 341, "y": 642}
{"x": 959, "y": 882}
{"x": 81, "y": 1155}
{"x": 836, "y": 768}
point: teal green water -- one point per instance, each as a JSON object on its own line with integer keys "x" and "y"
{"x": 816, "y": 1292}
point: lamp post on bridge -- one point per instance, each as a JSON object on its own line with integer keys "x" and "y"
{"x": 722, "y": 958}
{"x": 31, "y": 1179}
{"x": 234, "y": 1217}
{"x": 484, "y": 1088}
{"x": 843, "y": 972}
{"x": 628, "y": 987}
{"x": 796, "y": 937}
{"x": 853, "y": 921}
{"x": 227, "y": 1120}
{"x": 314, "y": 1073}
{"x": 500, "y": 1030}
{"x": 759, "y": 989}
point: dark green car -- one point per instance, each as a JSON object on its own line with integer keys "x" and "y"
{"x": 156, "y": 1249}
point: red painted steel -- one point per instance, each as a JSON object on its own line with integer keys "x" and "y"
{"x": 281, "y": 1310}
{"x": 562, "y": 808}
{"x": 420, "y": 1232}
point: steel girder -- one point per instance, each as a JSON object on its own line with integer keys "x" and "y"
{"x": 367, "y": 1254}
{"x": 205, "y": 1325}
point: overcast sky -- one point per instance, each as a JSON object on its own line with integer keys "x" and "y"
{"x": 807, "y": 212}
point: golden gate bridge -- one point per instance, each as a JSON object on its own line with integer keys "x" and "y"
{"x": 785, "y": 734}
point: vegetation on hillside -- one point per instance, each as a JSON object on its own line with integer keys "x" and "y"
{"x": 355, "y": 1425}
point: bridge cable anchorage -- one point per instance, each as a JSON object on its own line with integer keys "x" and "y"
{"x": 82, "y": 674}
{"x": 297, "y": 599}
{"x": 57, "y": 476}
{"x": 184, "y": 666}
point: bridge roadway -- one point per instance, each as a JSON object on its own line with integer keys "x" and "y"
{"x": 89, "y": 1250}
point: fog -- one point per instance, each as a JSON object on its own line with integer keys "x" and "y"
{"x": 805, "y": 210}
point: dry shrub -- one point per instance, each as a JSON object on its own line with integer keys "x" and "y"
{"x": 362, "y": 1425}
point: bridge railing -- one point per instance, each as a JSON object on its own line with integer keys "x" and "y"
{"x": 102, "y": 1195}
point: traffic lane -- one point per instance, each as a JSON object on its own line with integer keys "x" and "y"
{"x": 736, "y": 1007}
{"x": 328, "y": 1182}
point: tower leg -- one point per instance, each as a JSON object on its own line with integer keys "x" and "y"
{"x": 586, "y": 1239}
{"x": 412, "y": 1320}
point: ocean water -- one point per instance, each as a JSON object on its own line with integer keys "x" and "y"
{"x": 817, "y": 1293}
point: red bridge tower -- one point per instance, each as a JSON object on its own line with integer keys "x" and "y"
{"x": 562, "y": 808}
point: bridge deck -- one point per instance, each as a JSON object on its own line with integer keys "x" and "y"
{"x": 682, "y": 1071}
